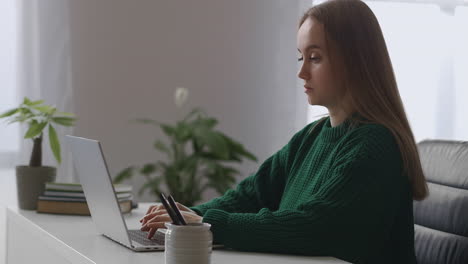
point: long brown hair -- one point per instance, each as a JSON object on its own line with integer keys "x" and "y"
{"x": 354, "y": 37}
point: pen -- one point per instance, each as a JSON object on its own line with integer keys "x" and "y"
{"x": 169, "y": 210}
{"x": 176, "y": 210}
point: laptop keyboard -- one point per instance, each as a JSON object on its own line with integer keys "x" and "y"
{"x": 141, "y": 237}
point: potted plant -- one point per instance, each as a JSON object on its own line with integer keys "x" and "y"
{"x": 30, "y": 179}
{"x": 198, "y": 157}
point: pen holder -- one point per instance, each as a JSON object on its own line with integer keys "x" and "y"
{"x": 191, "y": 243}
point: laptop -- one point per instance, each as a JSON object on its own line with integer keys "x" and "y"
{"x": 93, "y": 175}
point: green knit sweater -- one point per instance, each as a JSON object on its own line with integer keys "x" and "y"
{"x": 337, "y": 191}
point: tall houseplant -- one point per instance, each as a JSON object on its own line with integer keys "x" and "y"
{"x": 30, "y": 179}
{"x": 198, "y": 158}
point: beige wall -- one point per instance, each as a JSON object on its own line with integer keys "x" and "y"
{"x": 237, "y": 58}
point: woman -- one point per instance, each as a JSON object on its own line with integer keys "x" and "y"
{"x": 344, "y": 185}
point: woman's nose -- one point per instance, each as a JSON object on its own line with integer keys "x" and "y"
{"x": 303, "y": 74}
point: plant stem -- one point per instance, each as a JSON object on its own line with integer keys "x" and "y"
{"x": 36, "y": 154}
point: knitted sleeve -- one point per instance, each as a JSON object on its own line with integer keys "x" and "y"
{"x": 262, "y": 189}
{"x": 349, "y": 215}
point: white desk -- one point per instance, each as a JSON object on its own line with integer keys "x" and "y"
{"x": 45, "y": 238}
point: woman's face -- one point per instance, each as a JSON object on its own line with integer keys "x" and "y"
{"x": 320, "y": 85}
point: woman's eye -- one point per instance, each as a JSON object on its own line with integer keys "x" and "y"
{"x": 315, "y": 59}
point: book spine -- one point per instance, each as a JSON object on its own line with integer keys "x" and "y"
{"x": 82, "y": 195}
{"x": 74, "y": 199}
{"x": 73, "y": 208}
{"x": 74, "y": 187}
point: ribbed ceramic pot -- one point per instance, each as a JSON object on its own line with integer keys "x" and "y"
{"x": 30, "y": 183}
{"x": 188, "y": 244}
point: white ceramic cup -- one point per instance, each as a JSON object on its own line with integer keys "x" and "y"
{"x": 191, "y": 243}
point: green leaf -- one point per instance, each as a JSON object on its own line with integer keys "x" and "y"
{"x": 52, "y": 111}
{"x": 214, "y": 141}
{"x": 148, "y": 169}
{"x": 183, "y": 132}
{"x": 250, "y": 156}
{"x": 20, "y": 119}
{"x": 212, "y": 156}
{"x": 35, "y": 129}
{"x": 172, "y": 177}
{"x": 43, "y": 108}
{"x": 167, "y": 129}
{"x": 147, "y": 121}
{"x": 26, "y": 101}
{"x": 237, "y": 148}
{"x": 192, "y": 113}
{"x": 38, "y": 102}
{"x": 163, "y": 165}
{"x": 54, "y": 143}
{"x": 246, "y": 154}
{"x": 192, "y": 162}
{"x": 26, "y": 111}
{"x": 9, "y": 113}
{"x": 64, "y": 121}
{"x": 208, "y": 123}
{"x": 126, "y": 173}
{"x": 162, "y": 147}
{"x": 230, "y": 171}
{"x": 220, "y": 178}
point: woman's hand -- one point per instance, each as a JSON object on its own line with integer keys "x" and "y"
{"x": 156, "y": 216}
{"x": 155, "y": 208}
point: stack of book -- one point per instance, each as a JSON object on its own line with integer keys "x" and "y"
{"x": 69, "y": 198}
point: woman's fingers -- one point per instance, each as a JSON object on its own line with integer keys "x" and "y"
{"x": 154, "y": 208}
{"x": 156, "y": 219}
{"x": 157, "y": 215}
{"x": 154, "y": 228}
{"x": 147, "y": 218}
{"x": 150, "y": 209}
{"x": 154, "y": 223}
{"x": 151, "y": 215}
{"x": 157, "y": 208}
{"x": 151, "y": 233}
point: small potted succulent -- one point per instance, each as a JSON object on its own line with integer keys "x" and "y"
{"x": 30, "y": 178}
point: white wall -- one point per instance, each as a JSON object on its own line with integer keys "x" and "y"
{"x": 9, "y": 133}
{"x": 237, "y": 58}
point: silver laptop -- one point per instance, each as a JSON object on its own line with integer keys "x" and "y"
{"x": 102, "y": 201}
